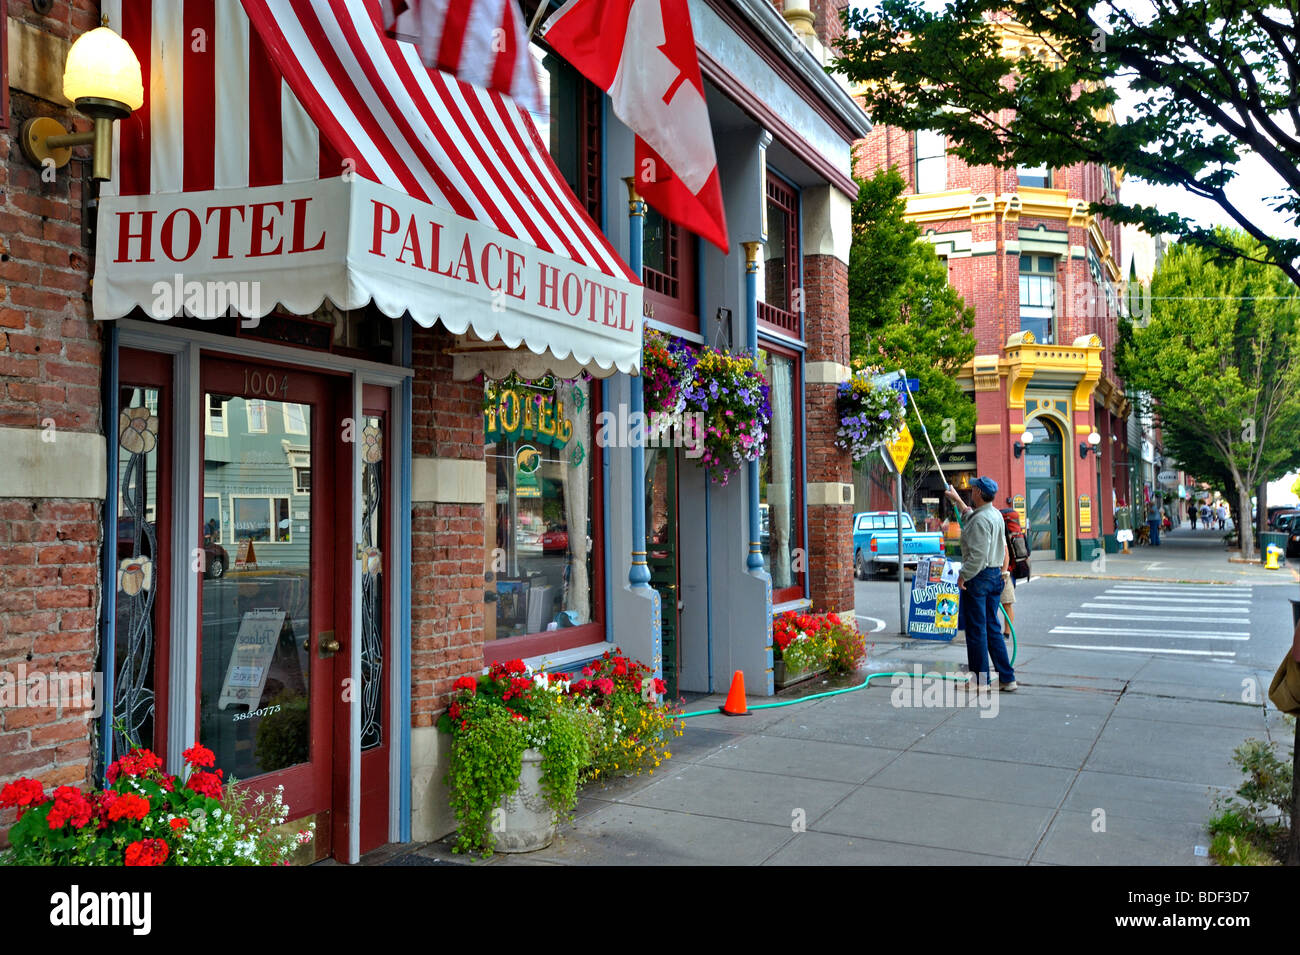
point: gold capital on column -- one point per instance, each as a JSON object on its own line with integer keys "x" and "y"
{"x": 635, "y": 204}
{"x": 752, "y": 252}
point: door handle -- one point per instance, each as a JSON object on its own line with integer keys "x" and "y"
{"x": 326, "y": 645}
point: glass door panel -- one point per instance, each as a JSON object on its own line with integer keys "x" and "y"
{"x": 255, "y": 705}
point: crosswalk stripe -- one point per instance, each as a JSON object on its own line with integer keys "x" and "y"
{"x": 1164, "y": 598}
{"x": 1190, "y": 653}
{"x": 1167, "y": 608}
{"x": 1148, "y": 619}
{"x": 1225, "y": 594}
{"x": 1171, "y": 634}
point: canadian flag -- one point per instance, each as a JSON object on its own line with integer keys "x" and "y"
{"x": 482, "y": 42}
{"x": 652, "y": 75}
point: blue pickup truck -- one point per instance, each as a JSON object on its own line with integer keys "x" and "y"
{"x": 875, "y": 542}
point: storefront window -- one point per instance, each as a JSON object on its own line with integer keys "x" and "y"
{"x": 780, "y": 481}
{"x": 538, "y": 534}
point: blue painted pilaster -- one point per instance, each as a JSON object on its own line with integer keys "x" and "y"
{"x": 752, "y": 251}
{"x": 639, "y": 575}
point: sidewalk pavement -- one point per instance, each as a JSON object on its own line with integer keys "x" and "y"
{"x": 1099, "y": 758}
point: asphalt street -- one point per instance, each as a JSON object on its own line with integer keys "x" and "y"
{"x": 1249, "y": 624}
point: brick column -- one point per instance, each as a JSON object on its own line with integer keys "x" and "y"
{"x": 52, "y": 439}
{"x": 447, "y": 546}
{"x": 829, "y": 491}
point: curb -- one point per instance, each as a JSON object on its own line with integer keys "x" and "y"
{"x": 1148, "y": 580}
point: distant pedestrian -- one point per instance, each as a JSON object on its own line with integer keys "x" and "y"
{"x": 983, "y": 554}
{"x": 1191, "y": 514}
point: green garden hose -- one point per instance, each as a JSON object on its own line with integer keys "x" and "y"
{"x": 861, "y": 686}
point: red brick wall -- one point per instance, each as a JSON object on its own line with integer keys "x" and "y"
{"x": 446, "y": 539}
{"x": 827, "y": 25}
{"x": 826, "y": 323}
{"x": 50, "y": 368}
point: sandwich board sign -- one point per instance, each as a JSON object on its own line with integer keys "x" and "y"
{"x": 259, "y": 633}
{"x": 932, "y": 610}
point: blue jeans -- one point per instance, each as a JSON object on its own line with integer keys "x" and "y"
{"x": 983, "y": 630}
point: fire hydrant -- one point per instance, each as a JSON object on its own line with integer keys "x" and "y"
{"x": 1272, "y": 556}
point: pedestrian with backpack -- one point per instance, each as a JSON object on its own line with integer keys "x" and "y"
{"x": 1016, "y": 566}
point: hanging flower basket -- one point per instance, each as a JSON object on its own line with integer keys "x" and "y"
{"x": 724, "y": 395}
{"x": 662, "y": 363}
{"x": 869, "y": 414}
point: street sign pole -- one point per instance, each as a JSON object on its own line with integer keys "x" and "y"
{"x": 898, "y": 520}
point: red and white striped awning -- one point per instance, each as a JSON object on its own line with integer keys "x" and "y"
{"x": 293, "y": 148}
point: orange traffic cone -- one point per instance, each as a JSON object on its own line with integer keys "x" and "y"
{"x": 735, "y": 705}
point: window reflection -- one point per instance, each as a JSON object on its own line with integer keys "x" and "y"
{"x": 537, "y": 534}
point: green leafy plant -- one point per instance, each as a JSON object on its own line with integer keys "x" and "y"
{"x": 634, "y": 725}
{"x": 1252, "y": 826}
{"x": 492, "y": 722}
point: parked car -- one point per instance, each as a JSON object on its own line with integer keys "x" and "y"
{"x": 875, "y": 542}
{"x": 555, "y": 540}
{"x": 1288, "y": 523}
{"x": 1276, "y": 511}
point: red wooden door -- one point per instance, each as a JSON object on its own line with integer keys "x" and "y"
{"x": 275, "y": 587}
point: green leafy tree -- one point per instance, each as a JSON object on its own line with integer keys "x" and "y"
{"x": 1221, "y": 358}
{"x": 904, "y": 314}
{"x": 1216, "y": 78}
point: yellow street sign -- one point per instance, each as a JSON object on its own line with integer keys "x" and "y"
{"x": 900, "y": 448}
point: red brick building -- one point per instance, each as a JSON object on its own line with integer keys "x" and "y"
{"x": 1043, "y": 276}
{"x": 247, "y": 479}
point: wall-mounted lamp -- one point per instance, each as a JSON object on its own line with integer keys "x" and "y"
{"x": 1025, "y": 441}
{"x": 1093, "y": 444}
{"x": 102, "y": 76}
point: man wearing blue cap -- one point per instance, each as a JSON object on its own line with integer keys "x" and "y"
{"x": 983, "y": 552}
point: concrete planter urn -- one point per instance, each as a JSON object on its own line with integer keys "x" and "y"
{"x": 527, "y": 821}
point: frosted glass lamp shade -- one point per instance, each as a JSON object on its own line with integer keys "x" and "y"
{"x": 102, "y": 66}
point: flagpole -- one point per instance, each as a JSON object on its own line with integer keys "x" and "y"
{"x": 542, "y": 7}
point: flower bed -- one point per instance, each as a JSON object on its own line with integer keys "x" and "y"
{"x": 810, "y": 642}
{"x": 147, "y": 817}
{"x": 869, "y": 414}
{"x": 635, "y": 725}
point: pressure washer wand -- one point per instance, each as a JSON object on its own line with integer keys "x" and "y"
{"x": 902, "y": 376}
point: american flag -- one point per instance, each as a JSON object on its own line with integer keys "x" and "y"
{"x": 482, "y": 42}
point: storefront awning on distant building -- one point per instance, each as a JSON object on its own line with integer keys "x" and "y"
{"x": 301, "y": 154}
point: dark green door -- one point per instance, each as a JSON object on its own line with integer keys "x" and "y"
{"x": 1043, "y": 489}
{"x": 661, "y": 551}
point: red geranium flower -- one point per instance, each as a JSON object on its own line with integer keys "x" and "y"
{"x": 22, "y": 793}
{"x": 454, "y": 711}
{"x": 466, "y": 683}
{"x": 70, "y": 805}
{"x": 604, "y": 685}
{"x": 200, "y": 755}
{"x": 515, "y": 666}
{"x": 138, "y": 762}
{"x": 179, "y": 823}
{"x": 146, "y": 852}
{"x": 128, "y": 806}
{"x": 205, "y": 784}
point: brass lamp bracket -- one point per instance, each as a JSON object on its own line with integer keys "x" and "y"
{"x": 43, "y": 138}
